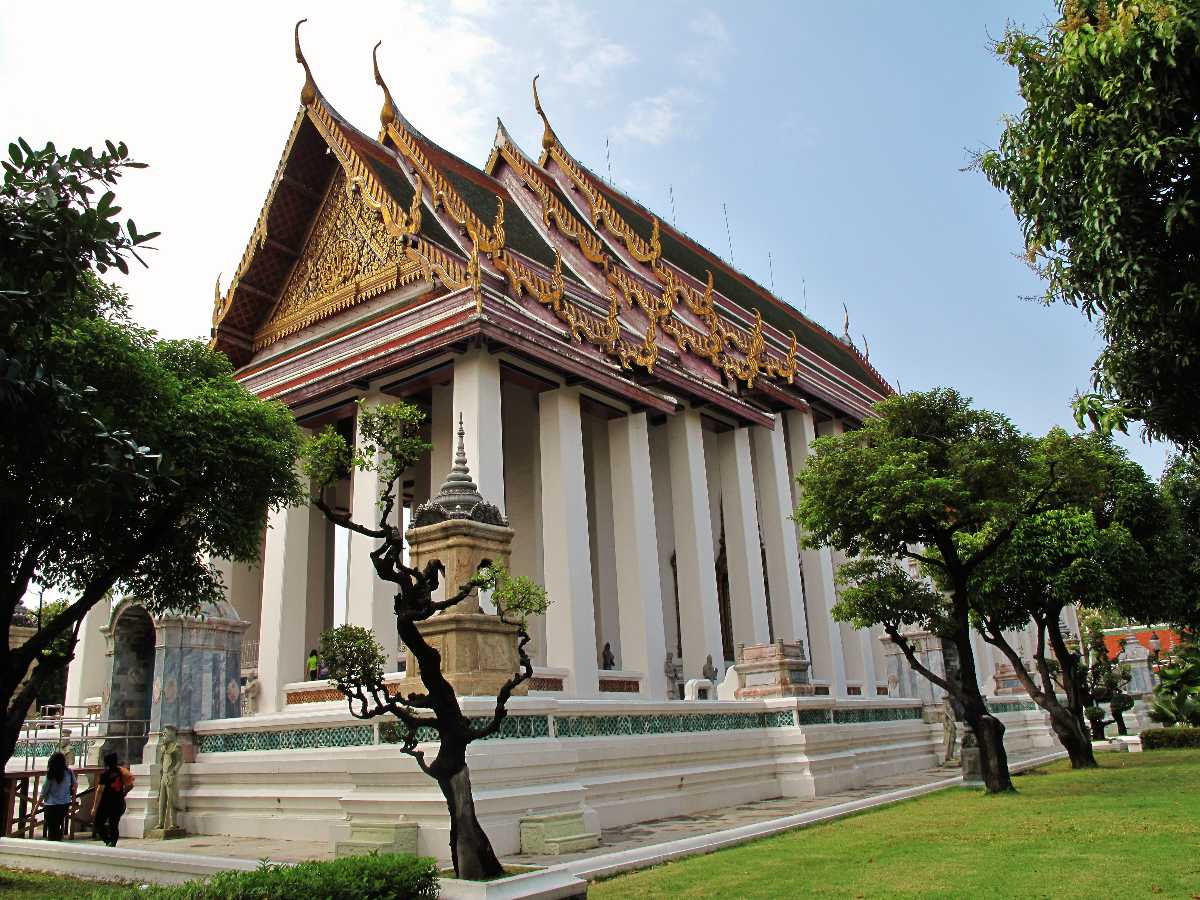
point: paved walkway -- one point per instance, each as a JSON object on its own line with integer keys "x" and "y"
{"x": 660, "y": 831}
{"x": 612, "y": 840}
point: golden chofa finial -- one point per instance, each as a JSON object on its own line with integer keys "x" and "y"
{"x": 548, "y": 137}
{"x": 309, "y": 92}
{"x": 387, "y": 114}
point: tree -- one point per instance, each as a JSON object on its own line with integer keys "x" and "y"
{"x": 355, "y": 658}
{"x": 1177, "y": 695}
{"x": 926, "y": 471}
{"x": 1108, "y": 542}
{"x": 1100, "y": 168}
{"x": 136, "y": 459}
{"x": 1181, "y": 491}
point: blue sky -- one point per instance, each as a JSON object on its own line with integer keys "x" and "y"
{"x": 835, "y": 135}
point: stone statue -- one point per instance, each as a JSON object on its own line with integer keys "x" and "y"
{"x": 672, "y": 676}
{"x": 250, "y": 696}
{"x": 949, "y": 730}
{"x": 170, "y": 761}
{"x": 66, "y": 748}
{"x": 607, "y": 660}
{"x": 709, "y": 671}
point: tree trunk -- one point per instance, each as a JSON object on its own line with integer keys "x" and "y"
{"x": 1071, "y": 734}
{"x": 993, "y": 759}
{"x": 470, "y": 849}
{"x": 1120, "y": 720}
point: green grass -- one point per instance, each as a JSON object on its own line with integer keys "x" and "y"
{"x": 1128, "y": 829}
{"x": 18, "y": 884}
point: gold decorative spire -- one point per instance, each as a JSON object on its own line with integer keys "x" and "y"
{"x": 309, "y": 92}
{"x": 549, "y": 138}
{"x": 387, "y": 114}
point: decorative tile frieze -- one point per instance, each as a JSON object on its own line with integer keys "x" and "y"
{"x": 43, "y": 748}
{"x": 619, "y": 685}
{"x": 1007, "y": 706}
{"x": 885, "y": 714}
{"x": 541, "y": 726}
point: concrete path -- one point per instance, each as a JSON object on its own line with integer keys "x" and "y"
{"x": 623, "y": 839}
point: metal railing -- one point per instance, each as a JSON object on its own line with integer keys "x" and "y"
{"x": 41, "y": 736}
{"x": 24, "y": 816}
{"x": 249, "y": 655}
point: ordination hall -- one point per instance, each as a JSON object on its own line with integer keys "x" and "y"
{"x": 634, "y": 407}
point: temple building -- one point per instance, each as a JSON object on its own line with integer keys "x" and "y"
{"x": 634, "y": 406}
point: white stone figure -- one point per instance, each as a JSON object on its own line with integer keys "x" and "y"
{"x": 250, "y": 695}
{"x": 949, "y": 730}
{"x": 170, "y": 761}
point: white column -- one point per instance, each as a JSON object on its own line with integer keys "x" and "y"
{"x": 747, "y": 593}
{"x": 570, "y": 619}
{"x": 700, "y": 618}
{"x": 477, "y": 400}
{"x": 826, "y": 652}
{"x": 285, "y": 591}
{"x": 779, "y": 534}
{"x": 89, "y": 667}
{"x": 639, "y": 597}
{"x": 866, "y": 641}
{"x": 370, "y": 601}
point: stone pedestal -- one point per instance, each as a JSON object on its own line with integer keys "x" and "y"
{"x": 972, "y": 766}
{"x": 365, "y": 838}
{"x": 557, "y": 833}
{"x": 772, "y": 670}
{"x": 457, "y": 527}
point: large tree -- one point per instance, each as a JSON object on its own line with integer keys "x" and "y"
{"x": 1110, "y": 542}
{"x": 913, "y": 483}
{"x": 356, "y": 661}
{"x": 124, "y": 460}
{"x": 1101, "y": 169}
{"x": 1181, "y": 491}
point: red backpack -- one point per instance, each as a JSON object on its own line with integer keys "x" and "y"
{"x": 127, "y": 779}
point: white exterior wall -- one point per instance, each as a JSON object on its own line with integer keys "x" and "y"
{"x": 87, "y": 675}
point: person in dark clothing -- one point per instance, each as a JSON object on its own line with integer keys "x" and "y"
{"x": 110, "y": 801}
{"x": 57, "y": 792}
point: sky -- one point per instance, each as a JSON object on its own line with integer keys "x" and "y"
{"x": 821, "y": 147}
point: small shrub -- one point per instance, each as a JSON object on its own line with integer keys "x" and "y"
{"x": 394, "y": 875}
{"x": 1158, "y": 738}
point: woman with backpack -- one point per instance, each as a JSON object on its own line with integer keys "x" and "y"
{"x": 109, "y": 805}
{"x": 58, "y": 790}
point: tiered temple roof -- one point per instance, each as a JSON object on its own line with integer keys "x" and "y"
{"x": 543, "y": 258}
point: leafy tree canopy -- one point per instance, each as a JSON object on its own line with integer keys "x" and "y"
{"x": 125, "y": 459}
{"x": 1100, "y": 168}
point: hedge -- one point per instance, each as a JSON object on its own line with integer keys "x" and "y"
{"x": 1176, "y": 736}
{"x": 393, "y": 875}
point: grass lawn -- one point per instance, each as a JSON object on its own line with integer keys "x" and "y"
{"x": 17, "y": 884}
{"x": 1128, "y": 829}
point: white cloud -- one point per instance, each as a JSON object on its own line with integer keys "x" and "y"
{"x": 655, "y": 120}
{"x": 707, "y": 46}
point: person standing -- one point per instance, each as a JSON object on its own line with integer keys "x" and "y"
{"x": 57, "y": 792}
{"x": 109, "y": 805}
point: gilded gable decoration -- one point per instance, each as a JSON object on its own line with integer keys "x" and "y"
{"x": 350, "y": 256}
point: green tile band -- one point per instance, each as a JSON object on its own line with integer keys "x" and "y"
{"x": 528, "y": 727}
{"x": 1007, "y": 706}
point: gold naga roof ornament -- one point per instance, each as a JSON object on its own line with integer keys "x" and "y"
{"x": 308, "y": 93}
{"x": 387, "y": 113}
{"x": 549, "y": 138}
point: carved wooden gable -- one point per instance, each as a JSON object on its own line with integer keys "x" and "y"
{"x": 349, "y": 257}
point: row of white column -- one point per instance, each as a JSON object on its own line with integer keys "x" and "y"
{"x": 757, "y": 495}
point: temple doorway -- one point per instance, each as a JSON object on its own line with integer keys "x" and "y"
{"x": 131, "y": 688}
